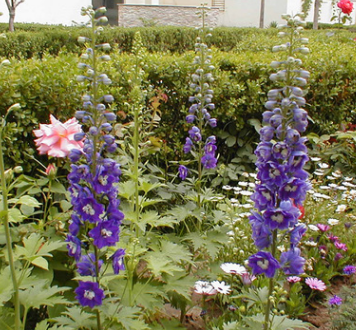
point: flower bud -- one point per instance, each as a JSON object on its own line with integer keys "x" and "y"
{"x": 101, "y": 10}
{"x": 110, "y": 116}
{"x": 18, "y": 169}
{"x": 9, "y": 174}
{"x": 108, "y": 98}
{"x": 105, "y": 46}
{"x": 102, "y": 19}
{"x": 51, "y": 171}
{"x": 79, "y": 136}
{"x": 15, "y": 107}
{"x": 5, "y": 63}
{"x": 105, "y": 58}
{"x": 93, "y": 130}
{"x": 82, "y": 39}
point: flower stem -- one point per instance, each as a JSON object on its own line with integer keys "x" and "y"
{"x": 5, "y": 218}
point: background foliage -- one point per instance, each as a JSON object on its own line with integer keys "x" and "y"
{"x": 41, "y": 80}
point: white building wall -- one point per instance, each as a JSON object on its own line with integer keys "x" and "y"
{"x": 46, "y": 11}
{"x": 238, "y": 13}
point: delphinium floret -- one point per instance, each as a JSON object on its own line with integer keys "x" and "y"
{"x": 95, "y": 222}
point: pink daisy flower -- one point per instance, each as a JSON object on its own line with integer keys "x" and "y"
{"x": 323, "y": 228}
{"x": 315, "y": 284}
{"x": 293, "y": 279}
{"x": 340, "y": 246}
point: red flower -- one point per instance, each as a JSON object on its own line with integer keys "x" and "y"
{"x": 346, "y": 6}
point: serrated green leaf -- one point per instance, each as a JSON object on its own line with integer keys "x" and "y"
{"x": 177, "y": 253}
{"x": 76, "y": 318}
{"x": 127, "y": 189}
{"x": 43, "y": 325}
{"x": 159, "y": 264}
{"x": 181, "y": 285}
{"x": 147, "y": 186}
{"x": 165, "y": 221}
{"x": 40, "y": 294}
{"x": 6, "y": 287}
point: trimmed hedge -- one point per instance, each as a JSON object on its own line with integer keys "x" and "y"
{"x": 35, "y": 42}
{"x": 48, "y": 85}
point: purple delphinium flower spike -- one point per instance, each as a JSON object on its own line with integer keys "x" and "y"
{"x": 281, "y": 155}
{"x": 96, "y": 218}
{"x": 199, "y": 111}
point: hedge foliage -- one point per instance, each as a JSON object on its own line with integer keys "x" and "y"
{"x": 48, "y": 85}
{"x": 33, "y": 40}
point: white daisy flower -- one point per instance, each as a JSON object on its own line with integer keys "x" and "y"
{"x": 348, "y": 184}
{"x": 243, "y": 184}
{"x": 204, "y": 288}
{"x": 323, "y": 165}
{"x": 221, "y": 287}
{"x": 227, "y": 187}
{"x": 232, "y": 268}
{"x": 319, "y": 172}
{"x": 336, "y": 174}
{"x": 341, "y": 208}
{"x": 313, "y": 228}
{"x": 318, "y": 195}
{"x": 333, "y": 222}
{"x": 348, "y": 179}
{"x": 341, "y": 188}
{"x": 246, "y": 193}
{"x": 310, "y": 243}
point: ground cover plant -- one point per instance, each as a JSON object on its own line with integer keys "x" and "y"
{"x": 116, "y": 219}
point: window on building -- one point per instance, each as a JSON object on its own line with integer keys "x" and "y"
{"x": 219, "y": 4}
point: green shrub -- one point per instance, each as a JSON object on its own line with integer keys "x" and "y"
{"x": 48, "y": 85}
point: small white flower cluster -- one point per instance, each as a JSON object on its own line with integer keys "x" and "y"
{"x": 211, "y": 288}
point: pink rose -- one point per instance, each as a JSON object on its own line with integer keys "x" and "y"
{"x": 57, "y": 139}
{"x": 346, "y": 6}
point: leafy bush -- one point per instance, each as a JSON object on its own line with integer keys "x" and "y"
{"x": 47, "y": 85}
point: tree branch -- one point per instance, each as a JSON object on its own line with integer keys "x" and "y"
{"x": 18, "y": 3}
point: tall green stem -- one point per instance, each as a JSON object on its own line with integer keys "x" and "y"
{"x": 5, "y": 219}
{"x": 266, "y": 325}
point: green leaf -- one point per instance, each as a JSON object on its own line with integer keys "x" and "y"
{"x": 40, "y": 294}
{"x": 159, "y": 263}
{"x": 230, "y": 141}
{"x": 25, "y": 200}
{"x": 129, "y": 319}
{"x": 58, "y": 188}
{"x": 6, "y": 287}
{"x": 76, "y": 318}
{"x": 43, "y": 325}
{"x": 147, "y": 186}
{"x": 40, "y": 262}
{"x": 15, "y": 215}
{"x": 181, "y": 285}
{"x": 127, "y": 189}
{"x": 284, "y": 323}
{"x": 177, "y": 253}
